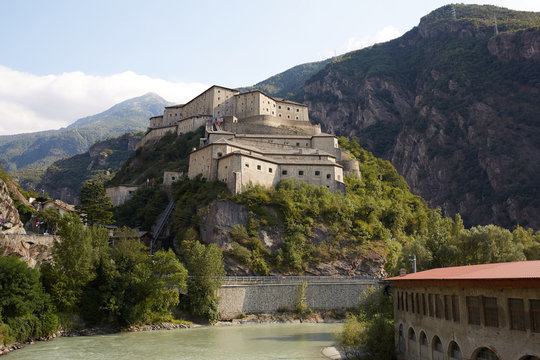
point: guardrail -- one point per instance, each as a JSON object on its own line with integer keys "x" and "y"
{"x": 283, "y": 279}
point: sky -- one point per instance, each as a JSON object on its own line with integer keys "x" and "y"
{"x": 61, "y": 60}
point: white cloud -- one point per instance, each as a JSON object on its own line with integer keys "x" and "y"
{"x": 31, "y": 103}
{"x": 385, "y": 34}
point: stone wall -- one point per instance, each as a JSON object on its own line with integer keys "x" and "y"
{"x": 120, "y": 194}
{"x": 270, "y": 297}
{"x": 156, "y": 134}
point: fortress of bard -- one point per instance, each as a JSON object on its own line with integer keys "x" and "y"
{"x": 253, "y": 138}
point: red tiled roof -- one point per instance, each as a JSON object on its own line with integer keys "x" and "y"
{"x": 509, "y": 270}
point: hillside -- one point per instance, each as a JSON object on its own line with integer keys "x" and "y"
{"x": 41, "y": 149}
{"x": 298, "y": 228}
{"x": 290, "y": 83}
{"x": 453, "y": 105}
{"x": 64, "y": 178}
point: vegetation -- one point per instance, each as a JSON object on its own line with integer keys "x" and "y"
{"x": 95, "y": 207}
{"x": 169, "y": 153}
{"x": 116, "y": 286}
{"x": 368, "y": 331}
{"x": 142, "y": 209}
{"x": 70, "y": 173}
{"x": 205, "y": 267}
{"x": 25, "y": 309}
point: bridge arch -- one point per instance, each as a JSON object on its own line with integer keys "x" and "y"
{"x": 529, "y": 357}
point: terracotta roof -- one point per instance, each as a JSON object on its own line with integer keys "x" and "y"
{"x": 509, "y": 270}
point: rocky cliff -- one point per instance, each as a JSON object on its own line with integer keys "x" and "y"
{"x": 10, "y": 223}
{"x": 453, "y": 104}
{"x": 219, "y": 219}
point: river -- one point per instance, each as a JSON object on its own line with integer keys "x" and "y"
{"x": 253, "y": 342}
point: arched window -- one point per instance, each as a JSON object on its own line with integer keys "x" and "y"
{"x": 424, "y": 348}
{"x": 437, "y": 349}
{"x": 413, "y": 348}
{"x": 485, "y": 354}
{"x": 454, "y": 352}
{"x": 401, "y": 340}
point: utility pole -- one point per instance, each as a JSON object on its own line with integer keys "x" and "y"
{"x": 413, "y": 259}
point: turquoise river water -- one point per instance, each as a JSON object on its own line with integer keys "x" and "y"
{"x": 253, "y": 342}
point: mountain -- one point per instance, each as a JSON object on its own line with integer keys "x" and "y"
{"x": 453, "y": 104}
{"x": 41, "y": 149}
{"x": 290, "y": 83}
{"x": 64, "y": 178}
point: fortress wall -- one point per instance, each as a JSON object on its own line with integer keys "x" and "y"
{"x": 256, "y": 171}
{"x": 155, "y": 134}
{"x": 329, "y": 175}
{"x": 200, "y": 162}
{"x": 192, "y": 123}
{"x": 289, "y": 111}
{"x": 267, "y": 124}
{"x": 271, "y": 297}
{"x": 120, "y": 194}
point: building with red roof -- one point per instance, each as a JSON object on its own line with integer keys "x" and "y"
{"x": 489, "y": 311}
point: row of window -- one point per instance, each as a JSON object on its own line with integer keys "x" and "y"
{"x": 286, "y": 172}
{"x": 437, "y": 305}
{"x": 479, "y": 309}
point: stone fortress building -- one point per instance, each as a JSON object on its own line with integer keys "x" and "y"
{"x": 253, "y": 138}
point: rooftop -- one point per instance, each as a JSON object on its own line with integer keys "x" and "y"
{"x": 498, "y": 271}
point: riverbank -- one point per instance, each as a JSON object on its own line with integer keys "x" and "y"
{"x": 278, "y": 318}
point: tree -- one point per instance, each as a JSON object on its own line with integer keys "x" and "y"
{"x": 369, "y": 332}
{"x": 24, "y": 306}
{"x": 75, "y": 257}
{"x": 205, "y": 267}
{"x": 95, "y": 207}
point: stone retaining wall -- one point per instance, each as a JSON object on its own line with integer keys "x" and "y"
{"x": 239, "y": 299}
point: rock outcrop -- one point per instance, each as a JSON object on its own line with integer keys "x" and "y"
{"x": 32, "y": 249}
{"x": 10, "y": 223}
{"x": 453, "y": 106}
{"x": 220, "y": 217}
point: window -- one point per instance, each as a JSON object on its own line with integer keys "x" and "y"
{"x": 283, "y": 172}
{"x": 455, "y": 308}
{"x": 328, "y": 176}
{"x": 418, "y": 303}
{"x": 279, "y": 107}
{"x": 317, "y": 173}
{"x": 247, "y": 165}
{"x": 491, "y": 315}
{"x": 447, "y": 307}
{"x": 412, "y": 303}
{"x": 288, "y": 108}
{"x": 297, "y": 144}
{"x": 219, "y": 154}
{"x": 301, "y": 172}
{"x": 516, "y": 310}
{"x": 535, "y": 315}
{"x": 424, "y": 304}
{"x": 297, "y": 110}
{"x": 258, "y": 167}
{"x": 430, "y": 298}
{"x": 473, "y": 309}
{"x": 269, "y": 169}
{"x": 399, "y": 300}
{"x": 406, "y": 302}
{"x": 438, "y": 306}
